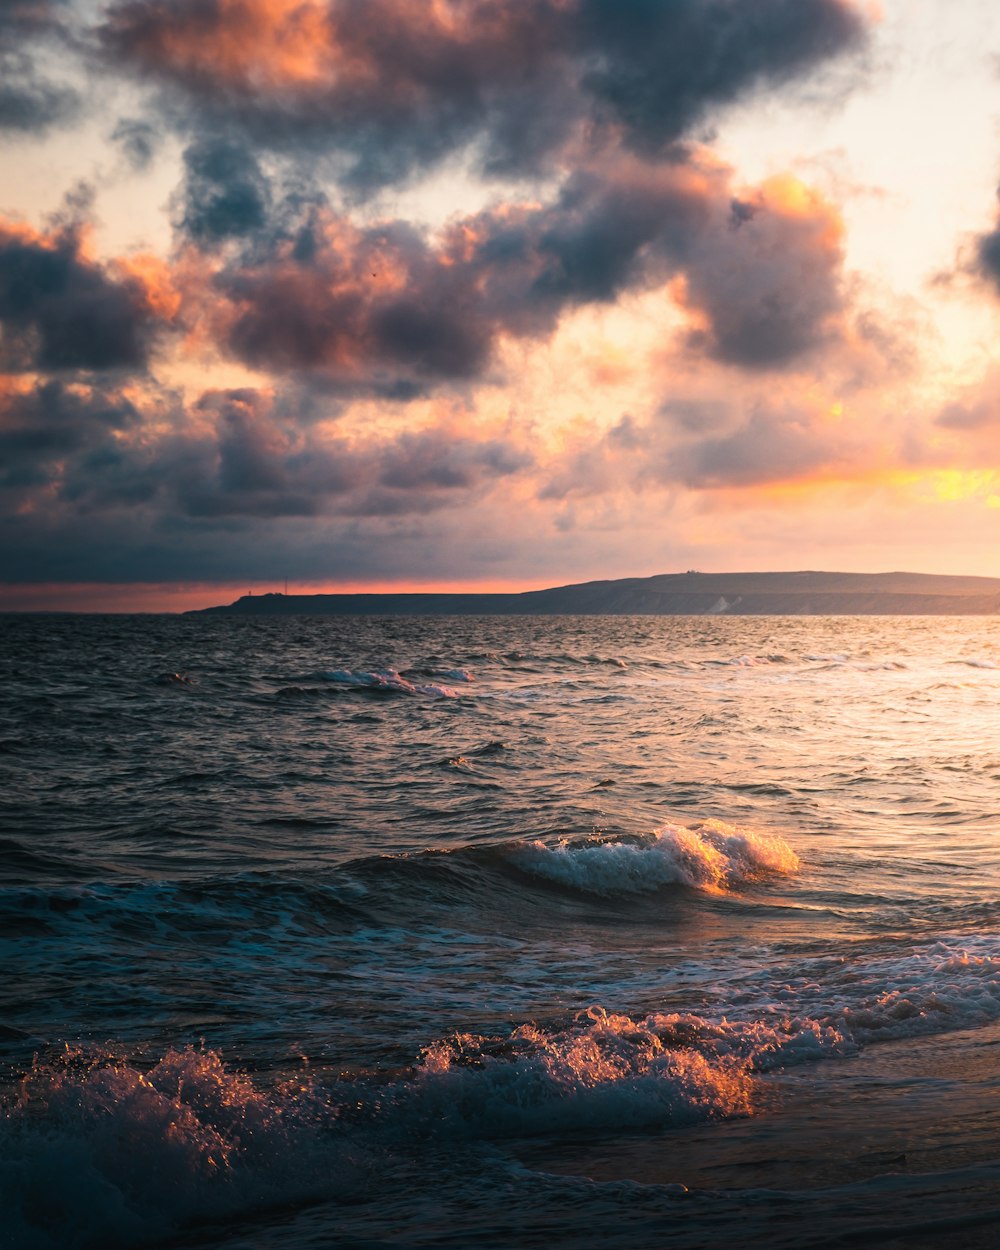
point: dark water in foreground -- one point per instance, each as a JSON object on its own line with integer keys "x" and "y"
{"x": 520, "y": 932}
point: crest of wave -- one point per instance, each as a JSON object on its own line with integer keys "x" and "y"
{"x": 712, "y": 855}
{"x": 606, "y": 1071}
{"x": 96, "y": 1154}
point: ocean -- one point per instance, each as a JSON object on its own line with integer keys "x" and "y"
{"x": 584, "y": 932}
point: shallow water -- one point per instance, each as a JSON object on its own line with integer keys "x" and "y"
{"x": 511, "y": 932}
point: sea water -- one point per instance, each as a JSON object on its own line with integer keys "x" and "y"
{"x": 519, "y": 932}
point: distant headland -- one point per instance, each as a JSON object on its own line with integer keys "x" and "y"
{"x": 670, "y": 594}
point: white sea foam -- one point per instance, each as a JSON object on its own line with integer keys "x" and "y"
{"x": 712, "y": 856}
{"x": 949, "y": 984}
{"x": 388, "y": 679}
{"x": 98, "y": 1154}
{"x": 608, "y": 1071}
{"x": 952, "y": 984}
{"x": 605, "y": 1072}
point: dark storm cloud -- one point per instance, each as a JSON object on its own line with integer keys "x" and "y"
{"x": 769, "y": 289}
{"x": 260, "y": 461}
{"x": 113, "y": 548}
{"x": 40, "y": 428}
{"x": 661, "y": 65}
{"x": 74, "y": 458}
{"x": 30, "y": 101}
{"x": 59, "y": 310}
{"x": 591, "y": 243}
{"x": 225, "y": 193}
{"x": 391, "y": 310}
{"x": 371, "y": 306}
{"x": 391, "y": 87}
{"x": 385, "y": 305}
{"x": 987, "y": 256}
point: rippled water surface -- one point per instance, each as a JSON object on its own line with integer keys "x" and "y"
{"x": 501, "y": 932}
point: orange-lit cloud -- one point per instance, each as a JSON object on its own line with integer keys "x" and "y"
{"x": 610, "y": 345}
{"x": 389, "y": 308}
{"x": 392, "y": 86}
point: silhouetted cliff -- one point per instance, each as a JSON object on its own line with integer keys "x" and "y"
{"x": 673, "y": 594}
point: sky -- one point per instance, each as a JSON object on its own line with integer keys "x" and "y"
{"x": 441, "y": 294}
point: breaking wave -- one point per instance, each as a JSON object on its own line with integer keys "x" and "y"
{"x": 712, "y": 856}
{"x": 389, "y": 681}
{"x": 96, "y": 1151}
{"x": 99, "y": 1152}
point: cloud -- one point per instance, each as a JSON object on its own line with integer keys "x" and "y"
{"x": 392, "y": 87}
{"x": 382, "y": 439}
{"x": 986, "y": 256}
{"x": 225, "y": 195}
{"x": 59, "y": 310}
{"x": 661, "y": 67}
{"x": 768, "y": 446}
{"x": 975, "y": 409}
{"x": 707, "y": 439}
{"x": 393, "y": 310}
{"x": 80, "y": 457}
{"x": 137, "y": 140}
{"x": 41, "y": 426}
{"x": 373, "y": 307}
{"x": 439, "y": 459}
{"x": 30, "y": 102}
{"x": 770, "y": 288}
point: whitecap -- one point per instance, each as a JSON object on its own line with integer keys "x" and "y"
{"x": 387, "y": 680}
{"x": 96, "y": 1153}
{"x": 713, "y": 856}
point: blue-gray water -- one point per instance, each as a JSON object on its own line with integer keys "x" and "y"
{"x": 499, "y": 932}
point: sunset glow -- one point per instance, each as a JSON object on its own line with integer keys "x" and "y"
{"x": 465, "y": 294}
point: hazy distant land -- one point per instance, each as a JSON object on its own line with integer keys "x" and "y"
{"x": 672, "y": 594}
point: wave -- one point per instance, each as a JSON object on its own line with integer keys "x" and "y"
{"x": 951, "y": 984}
{"x": 548, "y": 661}
{"x": 450, "y": 674}
{"x": 712, "y": 856}
{"x": 387, "y": 681}
{"x": 97, "y": 1151}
